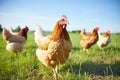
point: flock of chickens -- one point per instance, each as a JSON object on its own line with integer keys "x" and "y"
{"x": 87, "y": 40}
{"x": 55, "y": 48}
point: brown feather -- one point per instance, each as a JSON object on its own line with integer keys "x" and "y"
{"x": 57, "y": 33}
{"x": 87, "y": 40}
{"x": 23, "y": 33}
{"x": 55, "y": 49}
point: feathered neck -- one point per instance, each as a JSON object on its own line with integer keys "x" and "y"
{"x": 66, "y": 35}
{"x": 106, "y": 34}
{"x": 57, "y": 33}
{"x": 94, "y": 32}
{"x": 23, "y": 33}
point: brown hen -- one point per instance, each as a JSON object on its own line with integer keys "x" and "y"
{"x": 54, "y": 49}
{"x": 87, "y": 40}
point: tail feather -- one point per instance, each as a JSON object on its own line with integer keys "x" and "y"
{"x": 39, "y": 33}
{"x": 12, "y": 31}
{"x": 82, "y": 33}
{"x": 38, "y": 30}
{"x": 6, "y": 34}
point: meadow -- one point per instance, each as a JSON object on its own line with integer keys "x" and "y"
{"x": 97, "y": 65}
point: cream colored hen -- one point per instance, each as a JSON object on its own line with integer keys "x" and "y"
{"x": 104, "y": 39}
{"x": 15, "y": 43}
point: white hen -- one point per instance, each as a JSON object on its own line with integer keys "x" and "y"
{"x": 104, "y": 39}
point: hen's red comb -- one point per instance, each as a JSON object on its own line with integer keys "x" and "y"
{"x": 64, "y": 17}
{"x": 26, "y": 27}
{"x": 97, "y": 28}
{"x": 108, "y": 31}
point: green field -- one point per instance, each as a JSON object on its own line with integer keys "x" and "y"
{"x": 97, "y": 65}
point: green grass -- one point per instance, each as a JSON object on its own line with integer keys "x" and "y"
{"x": 98, "y": 64}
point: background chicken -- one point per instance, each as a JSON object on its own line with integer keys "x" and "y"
{"x": 104, "y": 39}
{"x": 87, "y": 40}
{"x": 54, "y": 49}
{"x": 15, "y": 43}
{"x": 13, "y": 32}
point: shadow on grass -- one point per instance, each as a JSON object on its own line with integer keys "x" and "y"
{"x": 95, "y": 69}
{"x": 76, "y": 48}
{"x": 112, "y": 48}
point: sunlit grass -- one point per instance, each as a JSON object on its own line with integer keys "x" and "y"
{"x": 98, "y": 64}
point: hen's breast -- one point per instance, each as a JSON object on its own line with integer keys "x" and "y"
{"x": 59, "y": 50}
{"x": 15, "y": 47}
{"x": 105, "y": 41}
{"x": 56, "y": 52}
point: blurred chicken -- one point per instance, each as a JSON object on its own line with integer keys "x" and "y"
{"x": 54, "y": 49}
{"x": 15, "y": 43}
{"x": 87, "y": 40}
{"x": 104, "y": 39}
{"x": 13, "y": 32}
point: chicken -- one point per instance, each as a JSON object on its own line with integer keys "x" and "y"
{"x": 87, "y": 40}
{"x": 15, "y": 43}
{"x": 54, "y": 49}
{"x": 12, "y": 31}
{"x": 104, "y": 39}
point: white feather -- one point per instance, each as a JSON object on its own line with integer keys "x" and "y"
{"x": 103, "y": 41}
{"x": 39, "y": 33}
